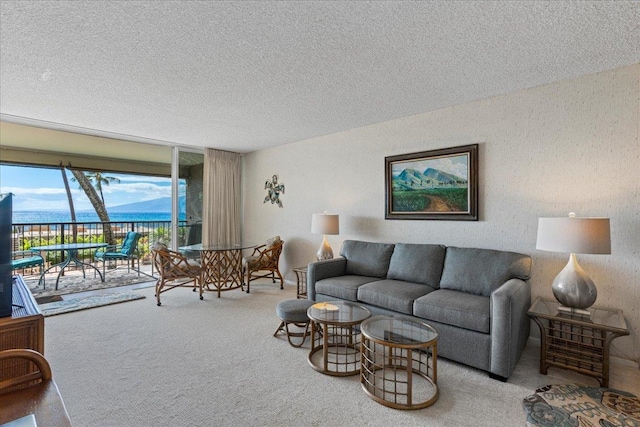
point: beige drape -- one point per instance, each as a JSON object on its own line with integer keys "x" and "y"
{"x": 221, "y": 197}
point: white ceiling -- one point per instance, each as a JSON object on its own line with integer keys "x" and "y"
{"x": 243, "y": 76}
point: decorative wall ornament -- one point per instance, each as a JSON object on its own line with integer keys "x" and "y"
{"x": 273, "y": 190}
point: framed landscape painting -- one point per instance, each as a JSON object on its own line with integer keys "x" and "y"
{"x": 438, "y": 184}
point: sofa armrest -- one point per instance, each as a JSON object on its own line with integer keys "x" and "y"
{"x": 323, "y": 270}
{"x": 509, "y": 325}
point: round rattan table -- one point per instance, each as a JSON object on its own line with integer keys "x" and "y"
{"x": 399, "y": 362}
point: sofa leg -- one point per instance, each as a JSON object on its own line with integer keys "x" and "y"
{"x": 498, "y": 377}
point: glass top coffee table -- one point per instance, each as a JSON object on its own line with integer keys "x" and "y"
{"x": 335, "y": 339}
{"x": 399, "y": 362}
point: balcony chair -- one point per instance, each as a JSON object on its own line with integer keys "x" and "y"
{"x": 28, "y": 259}
{"x": 264, "y": 262}
{"x": 33, "y": 393}
{"x": 126, "y": 252}
{"x": 174, "y": 267}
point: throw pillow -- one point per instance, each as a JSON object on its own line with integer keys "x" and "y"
{"x": 273, "y": 242}
{"x": 159, "y": 246}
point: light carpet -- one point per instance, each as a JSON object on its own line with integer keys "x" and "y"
{"x": 216, "y": 363}
{"x": 69, "y": 305}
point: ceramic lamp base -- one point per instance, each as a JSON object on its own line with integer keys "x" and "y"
{"x": 324, "y": 252}
{"x": 573, "y": 288}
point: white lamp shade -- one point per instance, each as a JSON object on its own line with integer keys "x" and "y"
{"x": 574, "y": 235}
{"x": 325, "y": 224}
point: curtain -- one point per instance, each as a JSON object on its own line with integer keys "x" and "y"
{"x": 221, "y": 197}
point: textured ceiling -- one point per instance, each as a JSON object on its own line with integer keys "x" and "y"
{"x": 243, "y": 76}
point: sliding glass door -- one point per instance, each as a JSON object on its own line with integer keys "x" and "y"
{"x": 187, "y": 183}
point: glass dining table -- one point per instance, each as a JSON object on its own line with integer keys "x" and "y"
{"x": 221, "y": 264}
{"x": 71, "y": 250}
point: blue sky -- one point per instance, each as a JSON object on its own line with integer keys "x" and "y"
{"x": 43, "y": 189}
{"x": 455, "y": 165}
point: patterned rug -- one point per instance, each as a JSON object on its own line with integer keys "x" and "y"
{"x": 571, "y": 405}
{"x": 73, "y": 282}
{"x": 76, "y": 304}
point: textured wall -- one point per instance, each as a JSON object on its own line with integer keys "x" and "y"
{"x": 571, "y": 146}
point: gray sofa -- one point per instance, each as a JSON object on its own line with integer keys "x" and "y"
{"x": 477, "y": 299}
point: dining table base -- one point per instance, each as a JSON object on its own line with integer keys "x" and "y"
{"x": 221, "y": 270}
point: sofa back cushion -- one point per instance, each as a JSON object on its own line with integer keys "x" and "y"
{"x": 366, "y": 258}
{"x": 481, "y": 271}
{"x": 417, "y": 263}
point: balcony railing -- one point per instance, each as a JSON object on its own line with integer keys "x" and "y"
{"x": 27, "y": 235}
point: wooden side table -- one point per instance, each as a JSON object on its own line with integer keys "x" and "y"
{"x": 575, "y": 341}
{"x": 301, "y": 274}
{"x": 24, "y": 329}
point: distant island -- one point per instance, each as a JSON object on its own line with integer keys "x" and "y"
{"x": 150, "y": 210}
{"x": 162, "y": 204}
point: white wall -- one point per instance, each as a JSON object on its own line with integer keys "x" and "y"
{"x": 571, "y": 146}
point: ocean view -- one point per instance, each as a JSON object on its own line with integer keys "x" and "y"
{"x": 46, "y": 217}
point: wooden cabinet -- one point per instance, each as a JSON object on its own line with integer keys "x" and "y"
{"x": 24, "y": 329}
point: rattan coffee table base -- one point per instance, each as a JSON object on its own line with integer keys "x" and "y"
{"x": 335, "y": 337}
{"x": 336, "y": 350}
{"x": 399, "y": 362}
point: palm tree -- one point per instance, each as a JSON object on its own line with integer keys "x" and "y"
{"x": 98, "y": 180}
{"x": 97, "y": 202}
{"x": 74, "y": 227}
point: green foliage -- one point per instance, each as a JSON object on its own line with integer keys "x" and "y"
{"x": 420, "y": 200}
{"x": 45, "y": 237}
{"x": 161, "y": 234}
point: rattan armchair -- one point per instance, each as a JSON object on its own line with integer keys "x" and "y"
{"x": 32, "y": 393}
{"x": 263, "y": 263}
{"x": 175, "y": 270}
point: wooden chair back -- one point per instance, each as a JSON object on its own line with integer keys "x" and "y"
{"x": 173, "y": 265}
{"x": 269, "y": 258}
{"x": 43, "y": 372}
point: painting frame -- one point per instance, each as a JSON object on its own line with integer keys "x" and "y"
{"x": 446, "y": 189}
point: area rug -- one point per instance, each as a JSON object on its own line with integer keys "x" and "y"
{"x": 572, "y": 405}
{"x": 73, "y": 282}
{"x": 77, "y": 304}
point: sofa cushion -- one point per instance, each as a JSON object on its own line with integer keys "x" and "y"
{"x": 343, "y": 287}
{"x": 417, "y": 263}
{"x": 393, "y": 294}
{"x": 481, "y": 271}
{"x": 366, "y": 258}
{"x": 455, "y": 308}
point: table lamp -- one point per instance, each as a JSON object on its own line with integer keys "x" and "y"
{"x": 325, "y": 224}
{"x": 572, "y": 287}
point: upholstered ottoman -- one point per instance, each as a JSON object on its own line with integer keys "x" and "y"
{"x": 293, "y": 311}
